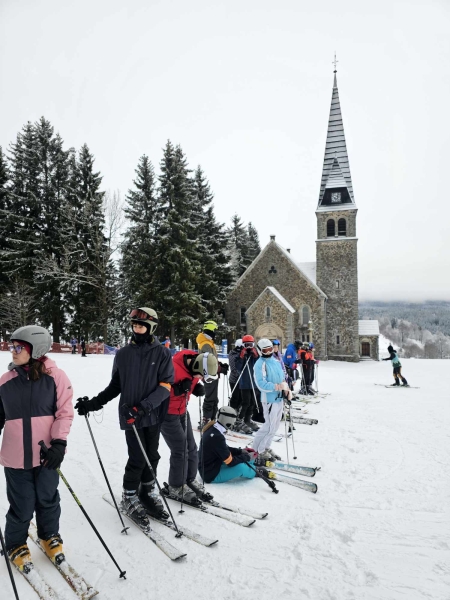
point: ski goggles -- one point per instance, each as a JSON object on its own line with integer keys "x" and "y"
{"x": 207, "y": 377}
{"x": 17, "y": 349}
{"x": 267, "y": 351}
{"x": 139, "y": 314}
{"x": 249, "y": 344}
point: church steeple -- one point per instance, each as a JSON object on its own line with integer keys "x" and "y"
{"x": 336, "y": 186}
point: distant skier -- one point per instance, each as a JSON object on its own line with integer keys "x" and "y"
{"x": 397, "y": 366}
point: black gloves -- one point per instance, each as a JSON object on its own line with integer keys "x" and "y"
{"x": 245, "y": 456}
{"x": 132, "y": 414}
{"x": 199, "y": 390}
{"x": 182, "y": 387}
{"x": 54, "y": 456}
{"x": 224, "y": 367}
{"x": 84, "y": 406}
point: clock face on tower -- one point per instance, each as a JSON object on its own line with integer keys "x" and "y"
{"x": 335, "y": 197}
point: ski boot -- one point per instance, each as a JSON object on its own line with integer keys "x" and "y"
{"x": 133, "y": 507}
{"x": 265, "y": 473}
{"x": 183, "y": 493}
{"x": 53, "y": 547}
{"x": 151, "y": 501}
{"x": 252, "y": 425}
{"x": 273, "y": 454}
{"x": 405, "y": 383}
{"x": 397, "y": 382}
{"x": 263, "y": 457}
{"x": 241, "y": 427}
{"x": 21, "y": 558}
{"x": 200, "y": 490}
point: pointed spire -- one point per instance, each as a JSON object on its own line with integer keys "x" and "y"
{"x": 336, "y": 187}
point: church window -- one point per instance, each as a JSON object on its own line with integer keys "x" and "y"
{"x": 337, "y": 284}
{"x": 338, "y": 339}
{"x": 342, "y": 227}
{"x": 331, "y": 228}
{"x": 268, "y": 313}
{"x": 272, "y": 270}
{"x": 243, "y": 311}
{"x": 306, "y": 315}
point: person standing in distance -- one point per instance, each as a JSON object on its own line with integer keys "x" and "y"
{"x": 396, "y": 366}
{"x": 205, "y": 343}
{"x": 142, "y": 374}
{"x": 35, "y": 405}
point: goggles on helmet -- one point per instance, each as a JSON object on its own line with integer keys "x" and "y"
{"x": 249, "y": 344}
{"x": 267, "y": 351}
{"x": 207, "y": 377}
{"x": 139, "y": 314}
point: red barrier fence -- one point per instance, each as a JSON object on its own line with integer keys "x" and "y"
{"x": 95, "y": 348}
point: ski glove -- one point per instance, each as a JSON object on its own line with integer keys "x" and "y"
{"x": 245, "y": 456}
{"x": 183, "y": 386}
{"x": 54, "y": 456}
{"x": 199, "y": 390}
{"x": 279, "y": 387}
{"x": 224, "y": 368}
{"x": 132, "y": 414}
{"x": 84, "y": 406}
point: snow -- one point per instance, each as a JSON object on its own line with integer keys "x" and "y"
{"x": 368, "y": 327}
{"x": 376, "y": 530}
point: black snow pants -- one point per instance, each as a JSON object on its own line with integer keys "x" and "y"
{"x": 136, "y": 469}
{"x": 211, "y": 401}
{"x": 183, "y": 460}
{"x": 31, "y": 491}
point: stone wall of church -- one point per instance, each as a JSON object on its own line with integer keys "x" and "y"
{"x": 348, "y": 215}
{"x": 275, "y": 269}
{"x": 337, "y": 276}
{"x": 280, "y": 315}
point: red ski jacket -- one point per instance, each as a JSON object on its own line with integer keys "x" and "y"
{"x": 177, "y": 403}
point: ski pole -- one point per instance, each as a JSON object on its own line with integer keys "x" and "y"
{"x": 185, "y": 452}
{"x": 285, "y": 430}
{"x": 228, "y": 385}
{"x": 253, "y": 388}
{"x": 317, "y": 376}
{"x": 292, "y": 431}
{"x": 201, "y": 437}
{"x": 8, "y": 565}
{"x": 124, "y": 530}
{"x": 223, "y": 390}
{"x": 179, "y": 533}
{"x": 242, "y": 372}
{"x": 270, "y": 483}
{"x": 122, "y": 573}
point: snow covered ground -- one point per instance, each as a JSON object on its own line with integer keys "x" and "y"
{"x": 378, "y": 528}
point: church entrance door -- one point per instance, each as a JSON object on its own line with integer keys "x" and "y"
{"x": 271, "y": 331}
{"x": 365, "y": 349}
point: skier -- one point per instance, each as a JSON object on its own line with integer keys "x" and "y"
{"x": 35, "y": 405}
{"x": 270, "y": 380}
{"x": 235, "y": 399}
{"x": 397, "y": 367}
{"x": 73, "y": 343}
{"x": 176, "y": 429}
{"x": 217, "y": 461}
{"x": 142, "y": 373}
{"x": 308, "y": 368}
{"x": 83, "y": 347}
{"x": 290, "y": 359}
{"x": 277, "y": 354}
{"x": 205, "y": 343}
{"x": 245, "y": 363}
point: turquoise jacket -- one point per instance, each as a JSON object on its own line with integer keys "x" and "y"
{"x": 268, "y": 372}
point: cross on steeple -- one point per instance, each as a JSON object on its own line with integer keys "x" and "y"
{"x": 335, "y": 62}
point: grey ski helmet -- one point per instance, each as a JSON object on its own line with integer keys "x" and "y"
{"x": 226, "y": 417}
{"x": 38, "y": 337}
{"x": 206, "y": 365}
{"x": 145, "y": 315}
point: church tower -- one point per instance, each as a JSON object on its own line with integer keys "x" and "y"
{"x": 336, "y": 245}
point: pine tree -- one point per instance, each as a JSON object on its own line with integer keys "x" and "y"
{"x": 254, "y": 247}
{"x": 237, "y": 241}
{"x": 176, "y": 265}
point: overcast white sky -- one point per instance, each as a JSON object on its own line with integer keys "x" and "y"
{"x": 245, "y": 88}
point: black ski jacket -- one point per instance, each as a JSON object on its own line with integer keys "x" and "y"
{"x": 214, "y": 452}
{"x": 142, "y": 374}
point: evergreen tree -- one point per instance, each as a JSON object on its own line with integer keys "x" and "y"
{"x": 237, "y": 241}
{"x": 176, "y": 266}
{"x": 254, "y": 247}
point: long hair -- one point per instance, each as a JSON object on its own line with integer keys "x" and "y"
{"x": 36, "y": 369}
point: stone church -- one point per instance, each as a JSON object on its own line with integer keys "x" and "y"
{"x": 279, "y": 297}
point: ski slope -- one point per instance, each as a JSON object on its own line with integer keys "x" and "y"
{"x": 376, "y": 530}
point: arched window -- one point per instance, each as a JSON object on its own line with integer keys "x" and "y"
{"x": 306, "y": 315}
{"x": 342, "y": 227}
{"x": 331, "y": 228}
{"x": 268, "y": 313}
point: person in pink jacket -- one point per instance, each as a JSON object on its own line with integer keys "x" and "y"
{"x": 35, "y": 405}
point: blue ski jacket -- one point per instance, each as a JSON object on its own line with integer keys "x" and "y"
{"x": 268, "y": 372}
{"x": 290, "y": 356}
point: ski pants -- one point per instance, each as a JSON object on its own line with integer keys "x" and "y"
{"x": 235, "y": 400}
{"x": 74, "y": 349}
{"x": 31, "y": 491}
{"x": 178, "y": 435}
{"x": 272, "y": 418}
{"x": 247, "y": 405}
{"x": 211, "y": 401}
{"x": 241, "y": 470}
{"x": 136, "y": 469}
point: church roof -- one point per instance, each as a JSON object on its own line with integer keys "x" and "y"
{"x": 277, "y": 295}
{"x": 369, "y": 327}
{"x": 336, "y": 167}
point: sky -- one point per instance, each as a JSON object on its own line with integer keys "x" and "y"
{"x": 245, "y": 89}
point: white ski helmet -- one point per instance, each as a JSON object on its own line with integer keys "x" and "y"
{"x": 226, "y": 417}
{"x": 238, "y": 344}
{"x": 265, "y": 347}
{"x": 145, "y": 315}
{"x": 38, "y": 337}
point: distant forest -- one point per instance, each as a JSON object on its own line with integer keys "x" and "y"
{"x": 419, "y": 330}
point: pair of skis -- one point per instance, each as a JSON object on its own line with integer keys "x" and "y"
{"x": 398, "y": 386}
{"x": 79, "y": 585}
